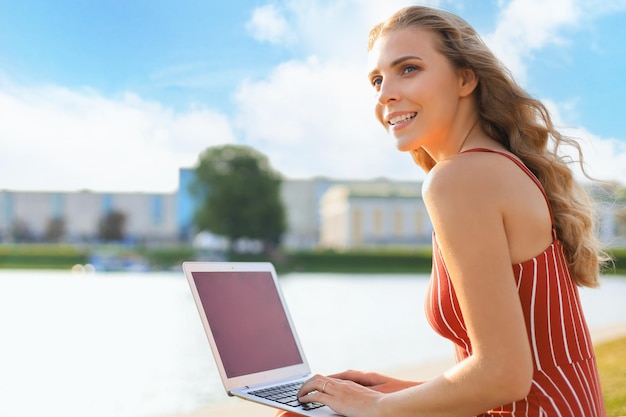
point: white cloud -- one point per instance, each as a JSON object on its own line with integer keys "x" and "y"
{"x": 315, "y": 117}
{"x": 528, "y": 25}
{"x": 312, "y": 117}
{"x": 267, "y": 24}
{"x": 81, "y": 140}
{"x": 338, "y": 30}
{"x": 603, "y": 158}
{"x": 525, "y": 26}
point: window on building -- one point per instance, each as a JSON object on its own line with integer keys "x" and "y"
{"x": 378, "y": 222}
{"x": 419, "y": 223}
{"x": 157, "y": 209}
{"x": 7, "y": 209}
{"x": 357, "y": 226}
{"x": 57, "y": 205}
{"x": 398, "y": 223}
{"x": 107, "y": 203}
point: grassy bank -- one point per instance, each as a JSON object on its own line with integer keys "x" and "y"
{"x": 40, "y": 256}
{"x": 380, "y": 260}
{"x": 357, "y": 261}
{"x": 612, "y": 365}
{"x": 35, "y": 256}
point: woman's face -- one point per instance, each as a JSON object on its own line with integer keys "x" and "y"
{"x": 417, "y": 89}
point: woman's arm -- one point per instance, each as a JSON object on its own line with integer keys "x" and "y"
{"x": 465, "y": 200}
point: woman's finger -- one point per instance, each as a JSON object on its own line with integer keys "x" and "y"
{"x": 317, "y": 384}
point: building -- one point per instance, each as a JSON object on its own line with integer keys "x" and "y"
{"x": 301, "y": 198}
{"x": 366, "y": 215}
{"x": 610, "y": 206}
{"x": 321, "y": 212}
{"x": 76, "y": 217}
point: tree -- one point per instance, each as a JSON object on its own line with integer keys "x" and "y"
{"x": 21, "y": 232}
{"x": 238, "y": 195}
{"x": 111, "y": 227}
{"x": 55, "y": 229}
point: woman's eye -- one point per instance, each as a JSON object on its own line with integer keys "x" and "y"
{"x": 409, "y": 68}
{"x": 376, "y": 81}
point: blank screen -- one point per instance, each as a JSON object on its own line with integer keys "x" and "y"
{"x": 248, "y": 322}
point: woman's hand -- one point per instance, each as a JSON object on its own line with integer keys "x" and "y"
{"x": 375, "y": 381}
{"x": 345, "y": 397}
{"x": 351, "y": 393}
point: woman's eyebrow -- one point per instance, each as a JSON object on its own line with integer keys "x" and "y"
{"x": 404, "y": 58}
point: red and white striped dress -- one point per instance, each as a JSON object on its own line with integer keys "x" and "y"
{"x": 565, "y": 380}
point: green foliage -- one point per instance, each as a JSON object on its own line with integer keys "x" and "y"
{"x": 361, "y": 262}
{"x": 41, "y": 256}
{"x": 382, "y": 260}
{"x": 111, "y": 227}
{"x": 170, "y": 257}
{"x": 57, "y": 256}
{"x": 238, "y": 194}
{"x": 351, "y": 262}
{"x": 55, "y": 229}
{"x": 619, "y": 262}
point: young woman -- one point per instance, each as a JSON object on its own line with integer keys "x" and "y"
{"x": 513, "y": 236}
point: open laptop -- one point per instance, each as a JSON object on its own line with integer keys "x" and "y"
{"x": 251, "y": 333}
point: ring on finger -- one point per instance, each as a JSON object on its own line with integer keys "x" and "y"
{"x": 324, "y": 387}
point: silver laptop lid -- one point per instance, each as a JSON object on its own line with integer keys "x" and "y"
{"x": 247, "y": 322}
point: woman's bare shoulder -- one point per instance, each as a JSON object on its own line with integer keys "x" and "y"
{"x": 468, "y": 176}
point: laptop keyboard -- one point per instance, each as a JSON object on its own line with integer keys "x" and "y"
{"x": 286, "y": 394}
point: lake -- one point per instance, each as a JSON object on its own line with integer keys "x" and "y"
{"x": 131, "y": 344}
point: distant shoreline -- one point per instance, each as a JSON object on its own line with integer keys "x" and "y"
{"x": 388, "y": 260}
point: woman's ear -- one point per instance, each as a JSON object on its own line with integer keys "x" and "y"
{"x": 467, "y": 81}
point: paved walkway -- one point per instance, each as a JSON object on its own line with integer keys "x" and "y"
{"x": 234, "y": 407}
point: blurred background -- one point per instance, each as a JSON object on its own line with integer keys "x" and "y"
{"x": 136, "y": 135}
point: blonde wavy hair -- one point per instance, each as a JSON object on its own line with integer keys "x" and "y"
{"x": 522, "y": 124}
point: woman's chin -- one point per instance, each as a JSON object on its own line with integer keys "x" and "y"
{"x": 404, "y": 147}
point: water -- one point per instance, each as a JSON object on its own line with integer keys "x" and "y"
{"x": 131, "y": 345}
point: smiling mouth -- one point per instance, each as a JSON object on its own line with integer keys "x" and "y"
{"x": 399, "y": 119}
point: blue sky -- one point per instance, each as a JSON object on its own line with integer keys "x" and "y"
{"x": 118, "y": 95}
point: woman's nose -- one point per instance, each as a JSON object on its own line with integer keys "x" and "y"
{"x": 387, "y": 92}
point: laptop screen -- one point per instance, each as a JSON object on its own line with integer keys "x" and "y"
{"x": 248, "y": 322}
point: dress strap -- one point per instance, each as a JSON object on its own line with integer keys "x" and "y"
{"x": 530, "y": 175}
